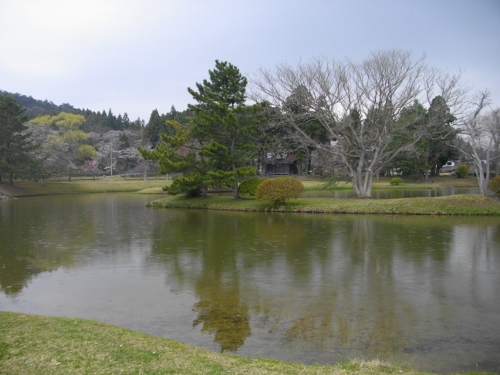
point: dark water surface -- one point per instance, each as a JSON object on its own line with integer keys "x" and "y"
{"x": 294, "y": 287}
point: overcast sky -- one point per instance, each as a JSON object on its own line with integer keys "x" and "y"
{"x": 137, "y": 55}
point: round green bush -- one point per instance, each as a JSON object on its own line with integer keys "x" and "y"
{"x": 396, "y": 181}
{"x": 494, "y": 185}
{"x": 279, "y": 190}
{"x": 249, "y": 186}
{"x": 462, "y": 170}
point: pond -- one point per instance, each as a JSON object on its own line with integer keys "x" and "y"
{"x": 293, "y": 287}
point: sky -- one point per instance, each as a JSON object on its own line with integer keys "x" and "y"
{"x": 135, "y": 56}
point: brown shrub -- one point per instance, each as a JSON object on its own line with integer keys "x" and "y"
{"x": 494, "y": 185}
{"x": 279, "y": 190}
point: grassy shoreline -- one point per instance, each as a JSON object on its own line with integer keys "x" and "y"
{"x": 32, "y": 344}
{"x": 449, "y": 205}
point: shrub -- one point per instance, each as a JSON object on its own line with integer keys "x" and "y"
{"x": 279, "y": 190}
{"x": 462, "y": 170}
{"x": 396, "y": 181}
{"x": 494, "y": 185}
{"x": 249, "y": 187}
{"x": 334, "y": 180}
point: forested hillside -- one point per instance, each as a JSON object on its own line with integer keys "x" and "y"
{"x": 65, "y": 140}
{"x": 95, "y": 121}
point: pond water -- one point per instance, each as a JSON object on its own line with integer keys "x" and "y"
{"x": 293, "y": 287}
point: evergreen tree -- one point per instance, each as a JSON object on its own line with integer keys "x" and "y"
{"x": 440, "y": 145}
{"x": 126, "y": 121}
{"x": 119, "y": 123}
{"x": 156, "y": 126}
{"x": 15, "y": 145}
{"x": 219, "y": 143}
{"x": 124, "y": 141}
{"x": 178, "y": 153}
{"x": 223, "y": 125}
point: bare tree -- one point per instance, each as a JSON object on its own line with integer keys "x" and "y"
{"x": 482, "y": 134}
{"x": 364, "y": 108}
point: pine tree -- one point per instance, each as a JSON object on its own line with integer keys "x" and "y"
{"x": 15, "y": 144}
{"x": 217, "y": 146}
{"x": 223, "y": 125}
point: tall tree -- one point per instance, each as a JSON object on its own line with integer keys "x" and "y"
{"x": 482, "y": 134}
{"x": 179, "y": 153}
{"x": 440, "y": 148}
{"x": 296, "y": 105}
{"x": 155, "y": 128}
{"x": 223, "y": 125}
{"x": 15, "y": 145}
{"x": 378, "y": 89}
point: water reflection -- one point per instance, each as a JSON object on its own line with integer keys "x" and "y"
{"x": 306, "y": 288}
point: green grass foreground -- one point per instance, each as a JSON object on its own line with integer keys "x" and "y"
{"x": 43, "y": 345}
{"x": 449, "y": 205}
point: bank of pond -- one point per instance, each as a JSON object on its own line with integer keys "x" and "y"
{"x": 444, "y": 205}
{"x": 45, "y": 345}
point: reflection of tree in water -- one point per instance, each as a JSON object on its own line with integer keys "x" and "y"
{"x": 376, "y": 325}
{"x": 206, "y": 260}
{"x": 221, "y": 313}
{"x": 359, "y": 303}
{"x": 43, "y": 235}
{"x": 28, "y": 244}
{"x": 345, "y": 285}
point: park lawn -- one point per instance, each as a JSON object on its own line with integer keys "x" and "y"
{"x": 448, "y": 205}
{"x": 80, "y": 186}
{"x": 47, "y": 345}
{"x": 153, "y": 185}
{"x": 384, "y": 183}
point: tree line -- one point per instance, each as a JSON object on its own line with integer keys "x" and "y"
{"x": 389, "y": 112}
{"x": 41, "y": 139}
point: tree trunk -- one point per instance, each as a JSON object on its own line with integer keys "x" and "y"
{"x": 362, "y": 185}
{"x": 482, "y": 182}
{"x": 204, "y": 191}
{"x": 236, "y": 193}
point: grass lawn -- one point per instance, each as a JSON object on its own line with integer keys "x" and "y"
{"x": 450, "y": 205}
{"x": 383, "y": 183}
{"x": 80, "y": 186}
{"x": 44, "y": 345}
